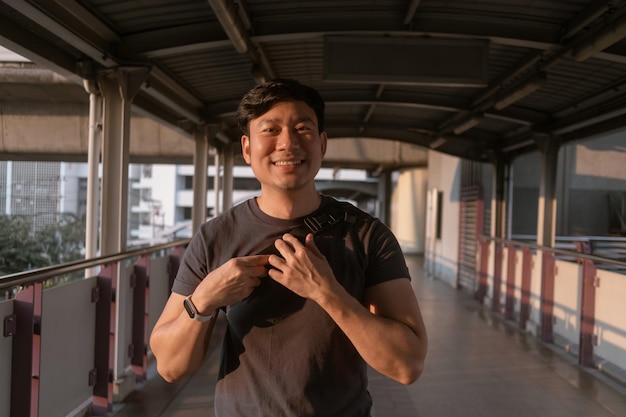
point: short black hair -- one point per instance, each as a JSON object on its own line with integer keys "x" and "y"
{"x": 263, "y": 97}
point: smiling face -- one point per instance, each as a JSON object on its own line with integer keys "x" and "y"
{"x": 285, "y": 149}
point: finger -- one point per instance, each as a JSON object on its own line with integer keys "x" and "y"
{"x": 309, "y": 243}
{"x": 292, "y": 240}
{"x": 254, "y": 260}
{"x": 276, "y": 262}
{"x": 284, "y": 247}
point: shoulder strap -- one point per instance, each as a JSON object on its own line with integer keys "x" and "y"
{"x": 317, "y": 225}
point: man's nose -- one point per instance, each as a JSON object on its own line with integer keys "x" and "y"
{"x": 288, "y": 140}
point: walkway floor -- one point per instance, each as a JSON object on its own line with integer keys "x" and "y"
{"x": 477, "y": 366}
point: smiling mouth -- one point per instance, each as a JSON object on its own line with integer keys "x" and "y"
{"x": 288, "y": 163}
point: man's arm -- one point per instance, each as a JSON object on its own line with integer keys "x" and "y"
{"x": 179, "y": 342}
{"x": 389, "y": 333}
{"x": 391, "y": 336}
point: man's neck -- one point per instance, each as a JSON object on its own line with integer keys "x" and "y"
{"x": 289, "y": 205}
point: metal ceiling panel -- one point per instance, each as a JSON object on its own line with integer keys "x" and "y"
{"x": 553, "y": 68}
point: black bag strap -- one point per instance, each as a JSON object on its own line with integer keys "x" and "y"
{"x": 317, "y": 225}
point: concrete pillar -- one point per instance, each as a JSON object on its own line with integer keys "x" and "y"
{"x": 546, "y": 219}
{"x": 498, "y": 203}
{"x": 118, "y": 87}
{"x": 9, "y": 188}
{"x": 216, "y": 182}
{"x": 93, "y": 163}
{"x": 229, "y": 165}
{"x": 546, "y": 230}
{"x": 200, "y": 180}
{"x": 498, "y": 209}
{"x": 384, "y": 196}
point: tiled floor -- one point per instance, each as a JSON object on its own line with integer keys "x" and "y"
{"x": 477, "y": 366}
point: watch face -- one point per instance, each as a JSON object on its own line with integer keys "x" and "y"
{"x": 189, "y": 307}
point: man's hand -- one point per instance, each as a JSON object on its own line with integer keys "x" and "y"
{"x": 230, "y": 283}
{"x": 302, "y": 268}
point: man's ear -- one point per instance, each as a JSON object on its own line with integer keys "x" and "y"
{"x": 245, "y": 148}
{"x": 324, "y": 142}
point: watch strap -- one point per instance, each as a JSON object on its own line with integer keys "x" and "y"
{"x": 191, "y": 309}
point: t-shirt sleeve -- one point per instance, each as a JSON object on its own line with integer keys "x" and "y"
{"x": 193, "y": 267}
{"x": 386, "y": 260}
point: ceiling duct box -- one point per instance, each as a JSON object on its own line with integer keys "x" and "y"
{"x": 436, "y": 62}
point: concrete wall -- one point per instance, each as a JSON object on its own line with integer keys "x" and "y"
{"x": 408, "y": 209}
{"x": 441, "y": 254}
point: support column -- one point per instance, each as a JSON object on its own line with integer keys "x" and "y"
{"x": 25, "y": 363}
{"x": 229, "y": 164}
{"x": 384, "y": 196}
{"x": 546, "y": 219}
{"x": 216, "y": 182}
{"x": 118, "y": 86}
{"x": 93, "y": 162}
{"x": 200, "y": 180}
{"x": 9, "y": 188}
{"x": 546, "y": 227}
{"x": 497, "y": 227}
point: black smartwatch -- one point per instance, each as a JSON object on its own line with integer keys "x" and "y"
{"x": 193, "y": 311}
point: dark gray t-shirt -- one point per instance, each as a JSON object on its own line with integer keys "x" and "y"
{"x": 282, "y": 354}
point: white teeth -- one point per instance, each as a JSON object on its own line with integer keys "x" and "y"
{"x": 285, "y": 163}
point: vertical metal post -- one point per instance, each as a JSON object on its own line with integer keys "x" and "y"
{"x": 200, "y": 180}
{"x": 546, "y": 226}
{"x": 384, "y": 196}
{"x": 498, "y": 227}
{"x": 587, "y": 312}
{"x": 229, "y": 164}
{"x": 93, "y": 183}
{"x": 216, "y": 183}
{"x": 509, "y": 307}
{"x": 9, "y": 188}
{"x": 525, "y": 295}
{"x": 118, "y": 87}
{"x": 497, "y": 276}
{"x": 481, "y": 291}
{"x": 141, "y": 310}
{"x": 547, "y": 297}
{"x": 547, "y": 192}
{"x": 105, "y": 340}
{"x": 25, "y": 364}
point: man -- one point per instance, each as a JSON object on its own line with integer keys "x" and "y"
{"x": 305, "y": 316}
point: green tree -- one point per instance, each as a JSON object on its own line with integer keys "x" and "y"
{"x": 62, "y": 242}
{"x": 19, "y": 251}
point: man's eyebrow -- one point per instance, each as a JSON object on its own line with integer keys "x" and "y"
{"x": 262, "y": 122}
{"x": 268, "y": 120}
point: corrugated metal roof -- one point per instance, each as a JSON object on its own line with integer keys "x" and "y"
{"x": 192, "y": 51}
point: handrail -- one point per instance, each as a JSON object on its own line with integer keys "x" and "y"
{"x": 42, "y": 274}
{"x": 564, "y": 252}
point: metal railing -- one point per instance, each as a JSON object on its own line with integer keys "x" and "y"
{"x": 569, "y": 297}
{"x": 80, "y": 345}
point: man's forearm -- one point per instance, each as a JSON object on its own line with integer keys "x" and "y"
{"x": 180, "y": 346}
{"x": 395, "y": 348}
